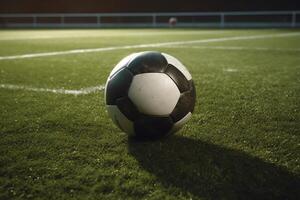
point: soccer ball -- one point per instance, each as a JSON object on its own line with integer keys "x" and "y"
{"x": 150, "y": 94}
{"x": 172, "y": 21}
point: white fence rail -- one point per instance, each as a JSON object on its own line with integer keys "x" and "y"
{"x": 263, "y": 19}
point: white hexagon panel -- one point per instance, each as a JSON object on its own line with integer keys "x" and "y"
{"x": 120, "y": 119}
{"x": 154, "y": 94}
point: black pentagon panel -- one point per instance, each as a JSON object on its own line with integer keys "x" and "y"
{"x": 148, "y": 62}
{"x": 118, "y": 86}
{"x": 178, "y": 77}
{"x": 127, "y": 108}
{"x": 185, "y": 104}
{"x": 151, "y": 127}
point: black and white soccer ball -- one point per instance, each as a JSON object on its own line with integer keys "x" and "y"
{"x": 172, "y": 21}
{"x": 150, "y": 94}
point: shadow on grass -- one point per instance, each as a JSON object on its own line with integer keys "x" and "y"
{"x": 214, "y": 172}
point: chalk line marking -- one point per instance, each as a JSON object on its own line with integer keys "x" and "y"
{"x": 235, "y": 48}
{"x": 80, "y": 34}
{"x": 78, "y": 51}
{"x": 230, "y": 70}
{"x": 82, "y": 91}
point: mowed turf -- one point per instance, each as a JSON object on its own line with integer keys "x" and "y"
{"x": 241, "y": 143}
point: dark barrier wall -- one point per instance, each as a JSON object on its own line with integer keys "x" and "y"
{"x": 95, "y": 6}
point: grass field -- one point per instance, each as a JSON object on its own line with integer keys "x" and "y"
{"x": 242, "y": 142}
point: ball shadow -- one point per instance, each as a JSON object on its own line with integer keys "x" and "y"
{"x": 213, "y": 172}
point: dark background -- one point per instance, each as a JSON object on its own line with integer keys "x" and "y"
{"x": 94, "y": 6}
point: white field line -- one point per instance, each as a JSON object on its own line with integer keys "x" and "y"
{"x": 230, "y": 70}
{"x": 82, "y": 91}
{"x": 235, "y": 48}
{"x": 67, "y": 35}
{"x": 77, "y": 51}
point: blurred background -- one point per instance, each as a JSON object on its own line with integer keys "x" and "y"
{"x": 155, "y": 13}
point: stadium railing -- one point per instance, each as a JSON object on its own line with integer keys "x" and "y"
{"x": 263, "y": 19}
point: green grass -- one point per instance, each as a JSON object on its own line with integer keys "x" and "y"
{"x": 241, "y": 143}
